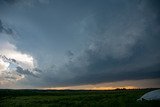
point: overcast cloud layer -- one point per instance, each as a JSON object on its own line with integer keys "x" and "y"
{"x": 50, "y": 43}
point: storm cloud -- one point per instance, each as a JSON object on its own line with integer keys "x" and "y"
{"x": 125, "y": 46}
{"x": 87, "y": 42}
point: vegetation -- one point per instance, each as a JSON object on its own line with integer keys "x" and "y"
{"x": 71, "y": 98}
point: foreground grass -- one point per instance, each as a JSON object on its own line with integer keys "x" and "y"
{"x": 68, "y": 98}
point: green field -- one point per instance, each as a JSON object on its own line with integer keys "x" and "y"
{"x": 78, "y": 98}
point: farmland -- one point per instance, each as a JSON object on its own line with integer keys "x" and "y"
{"x": 74, "y": 98}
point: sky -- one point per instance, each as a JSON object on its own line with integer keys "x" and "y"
{"x": 79, "y": 44}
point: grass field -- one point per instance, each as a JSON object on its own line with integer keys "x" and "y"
{"x": 78, "y": 98}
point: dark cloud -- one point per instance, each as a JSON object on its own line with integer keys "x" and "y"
{"x": 124, "y": 41}
{"x": 4, "y": 58}
{"x": 155, "y": 5}
{"x": 1, "y": 26}
{"x": 125, "y": 46}
{"x": 113, "y": 76}
{"x": 23, "y": 2}
{"x": 37, "y": 70}
{"x": 70, "y": 54}
{"x": 10, "y": 78}
{"x": 5, "y": 29}
{"x": 25, "y": 71}
{"x": 9, "y": 1}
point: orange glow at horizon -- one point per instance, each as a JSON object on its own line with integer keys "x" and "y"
{"x": 90, "y": 88}
{"x": 130, "y": 84}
